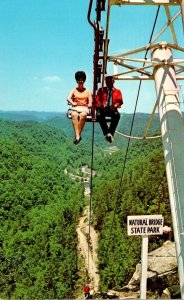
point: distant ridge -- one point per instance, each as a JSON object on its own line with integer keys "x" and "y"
{"x": 29, "y": 115}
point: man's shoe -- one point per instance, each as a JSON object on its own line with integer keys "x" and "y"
{"x": 109, "y": 138}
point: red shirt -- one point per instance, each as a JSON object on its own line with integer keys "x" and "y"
{"x": 86, "y": 289}
{"x": 102, "y": 96}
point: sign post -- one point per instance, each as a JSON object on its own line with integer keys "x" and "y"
{"x": 144, "y": 225}
{"x": 144, "y": 267}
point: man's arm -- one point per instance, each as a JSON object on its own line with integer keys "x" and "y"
{"x": 119, "y": 99}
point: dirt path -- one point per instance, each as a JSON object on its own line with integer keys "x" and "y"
{"x": 89, "y": 252}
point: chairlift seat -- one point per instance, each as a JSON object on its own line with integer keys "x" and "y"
{"x": 89, "y": 117}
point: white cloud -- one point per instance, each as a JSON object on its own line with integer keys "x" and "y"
{"x": 53, "y": 78}
{"x": 46, "y": 89}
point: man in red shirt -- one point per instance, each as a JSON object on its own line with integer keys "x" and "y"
{"x": 108, "y": 100}
{"x": 86, "y": 290}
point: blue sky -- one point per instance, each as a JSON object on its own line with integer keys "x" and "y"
{"x": 44, "y": 42}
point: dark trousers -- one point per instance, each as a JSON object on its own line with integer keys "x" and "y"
{"x": 86, "y": 295}
{"x": 101, "y": 113}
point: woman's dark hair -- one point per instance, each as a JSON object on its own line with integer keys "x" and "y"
{"x": 80, "y": 75}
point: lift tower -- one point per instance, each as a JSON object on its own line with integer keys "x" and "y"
{"x": 165, "y": 70}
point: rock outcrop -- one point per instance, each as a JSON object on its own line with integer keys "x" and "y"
{"x": 162, "y": 273}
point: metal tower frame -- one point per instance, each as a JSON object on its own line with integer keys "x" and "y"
{"x": 166, "y": 71}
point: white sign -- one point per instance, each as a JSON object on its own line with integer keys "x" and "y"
{"x": 145, "y": 225}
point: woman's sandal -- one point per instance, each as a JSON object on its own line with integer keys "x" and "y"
{"x": 77, "y": 141}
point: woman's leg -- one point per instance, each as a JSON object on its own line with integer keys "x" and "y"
{"x": 82, "y": 120}
{"x": 75, "y": 121}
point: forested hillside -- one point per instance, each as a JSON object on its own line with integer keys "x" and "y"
{"x": 40, "y": 205}
{"x": 39, "y": 210}
{"x": 138, "y": 124}
{"x": 137, "y": 188}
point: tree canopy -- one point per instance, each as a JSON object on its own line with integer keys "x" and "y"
{"x": 40, "y": 205}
